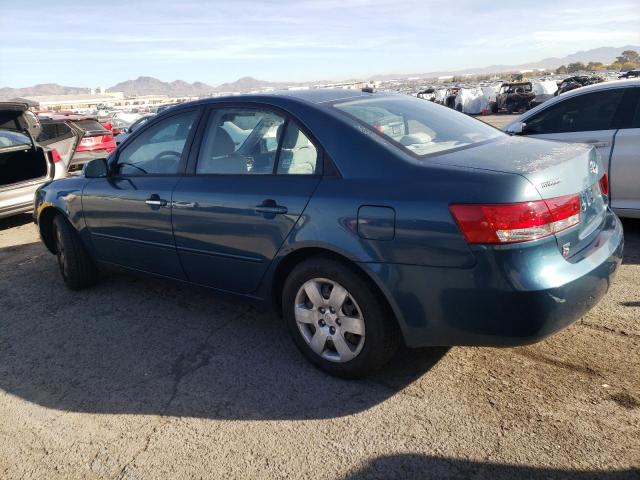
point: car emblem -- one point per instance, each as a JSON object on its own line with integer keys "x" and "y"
{"x": 566, "y": 248}
{"x": 593, "y": 166}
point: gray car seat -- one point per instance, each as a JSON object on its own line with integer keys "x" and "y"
{"x": 219, "y": 155}
{"x": 298, "y": 155}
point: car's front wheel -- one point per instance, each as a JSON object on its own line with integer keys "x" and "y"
{"x": 76, "y": 266}
{"x": 337, "y": 319}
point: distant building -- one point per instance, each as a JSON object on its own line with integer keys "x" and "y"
{"x": 69, "y": 102}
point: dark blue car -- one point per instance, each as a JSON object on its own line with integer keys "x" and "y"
{"x": 367, "y": 219}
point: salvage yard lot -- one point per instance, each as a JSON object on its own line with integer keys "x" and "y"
{"x": 139, "y": 378}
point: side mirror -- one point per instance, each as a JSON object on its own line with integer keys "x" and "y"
{"x": 517, "y": 128}
{"x": 96, "y": 168}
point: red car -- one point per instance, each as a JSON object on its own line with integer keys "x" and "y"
{"x": 96, "y": 141}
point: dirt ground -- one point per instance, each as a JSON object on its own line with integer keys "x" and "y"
{"x": 146, "y": 379}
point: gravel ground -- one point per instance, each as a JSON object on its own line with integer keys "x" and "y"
{"x": 146, "y": 379}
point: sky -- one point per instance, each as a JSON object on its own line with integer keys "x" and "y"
{"x": 81, "y": 43}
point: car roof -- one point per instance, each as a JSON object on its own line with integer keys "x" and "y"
{"x": 632, "y": 82}
{"x": 70, "y": 117}
{"x": 315, "y": 96}
{"x": 14, "y": 106}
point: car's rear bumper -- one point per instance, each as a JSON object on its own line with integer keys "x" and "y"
{"x": 18, "y": 198}
{"x": 510, "y": 297}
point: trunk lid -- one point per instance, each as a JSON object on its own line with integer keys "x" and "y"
{"x": 554, "y": 169}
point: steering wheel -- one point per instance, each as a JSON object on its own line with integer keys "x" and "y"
{"x": 167, "y": 153}
{"x": 163, "y": 160}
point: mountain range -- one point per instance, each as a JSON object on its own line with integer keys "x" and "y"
{"x": 152, "y": 86}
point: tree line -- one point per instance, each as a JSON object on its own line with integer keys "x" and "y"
{"x": 628, "y": 60}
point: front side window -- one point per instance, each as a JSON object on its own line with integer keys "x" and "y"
{"x": 581, "y": 113}
{"x": 418, "y": 127}
{"x": 158, "y": 150}
{"x": 240, "y": 141}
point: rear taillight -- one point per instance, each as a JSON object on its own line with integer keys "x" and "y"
{"x": 604, "y": 184}
{"x": 516, "y": 222}
{"x": 55, "y": 156}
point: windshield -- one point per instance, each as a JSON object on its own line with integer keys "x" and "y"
{"x": 10, "y": 138}
{"x": 416, "y": 126}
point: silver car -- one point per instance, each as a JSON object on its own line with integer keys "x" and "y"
{"x": 605, "y": 115}
{"x": 24, "y": 165}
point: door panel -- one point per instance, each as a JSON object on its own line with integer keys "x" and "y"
{"x": 226, "y": 227}
{"x": 624, "y": 176}
{"x": 127, "y": 231}
{"x": 129, "y": 212}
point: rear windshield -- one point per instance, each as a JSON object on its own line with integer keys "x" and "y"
{"x": 54, "y": 132}
{"x": 10, "y": 138}
{"x": 90, "y": 126}
{"x": 416, "y": 126}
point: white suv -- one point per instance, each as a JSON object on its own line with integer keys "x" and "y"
{"x": 605, "y": 115}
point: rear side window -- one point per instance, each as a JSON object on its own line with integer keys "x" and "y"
{"x": 418, "y": 127}
{"x": 298, "y": 155}
{"x": 635, "y": 122}
{"x": 240, "y": 141}
{"x": 13, "y": 139}
{"x": 582, "y": 113}
{"x": 54, "y": 132}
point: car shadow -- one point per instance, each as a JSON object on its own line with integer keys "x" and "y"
{"x": 144, "y": 346}
{"x": 15, "y": 221}
{"x": 426, "y": 467}
{"x": 632, "y": 241}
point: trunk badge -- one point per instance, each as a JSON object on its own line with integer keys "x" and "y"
{"x": 593, "y": 166}
{"x": 566, "y": 248}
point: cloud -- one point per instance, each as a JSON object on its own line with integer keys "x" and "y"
{"x": 218, "y": 41}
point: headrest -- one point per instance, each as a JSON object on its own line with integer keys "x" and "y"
{"x": 294, "y": 138}
{"x": 223, "y": 144}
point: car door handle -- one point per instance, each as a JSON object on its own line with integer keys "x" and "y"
{"x": 184, "y": 204}
{"x": 597, "y": 143}
{"x": 271, "y": 207}
{"x": 155, "y": 200}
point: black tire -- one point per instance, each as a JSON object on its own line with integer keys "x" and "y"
{"x": 511, "y": 107}
{"x": 493, "y": 106}
{"x": 76, "y": 266}
{"x": 382, "y": 333}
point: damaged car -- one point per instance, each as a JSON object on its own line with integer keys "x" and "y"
{"x": 24, "y": 165}
{"x": 450, "y": 97}
{"x": 577, "y": 81}
{"x": 513, "y": 97}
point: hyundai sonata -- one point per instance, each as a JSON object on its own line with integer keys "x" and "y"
{"x": 366, "y": 219}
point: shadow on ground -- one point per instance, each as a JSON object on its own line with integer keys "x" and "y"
{"x": 632, "y": 241}
{"x": 139, "y": 346}
{"x": 425, "y": 467}
{"x": 15, "y": 221}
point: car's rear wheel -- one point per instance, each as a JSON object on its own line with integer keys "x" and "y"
{"x": 337, "y": 319}
{"x": 76, "y": 266}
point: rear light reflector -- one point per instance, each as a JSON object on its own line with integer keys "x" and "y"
{"x": 516, "y": 222}
{"x": 604, "y": 184}
{"x": 55, "y": 156}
